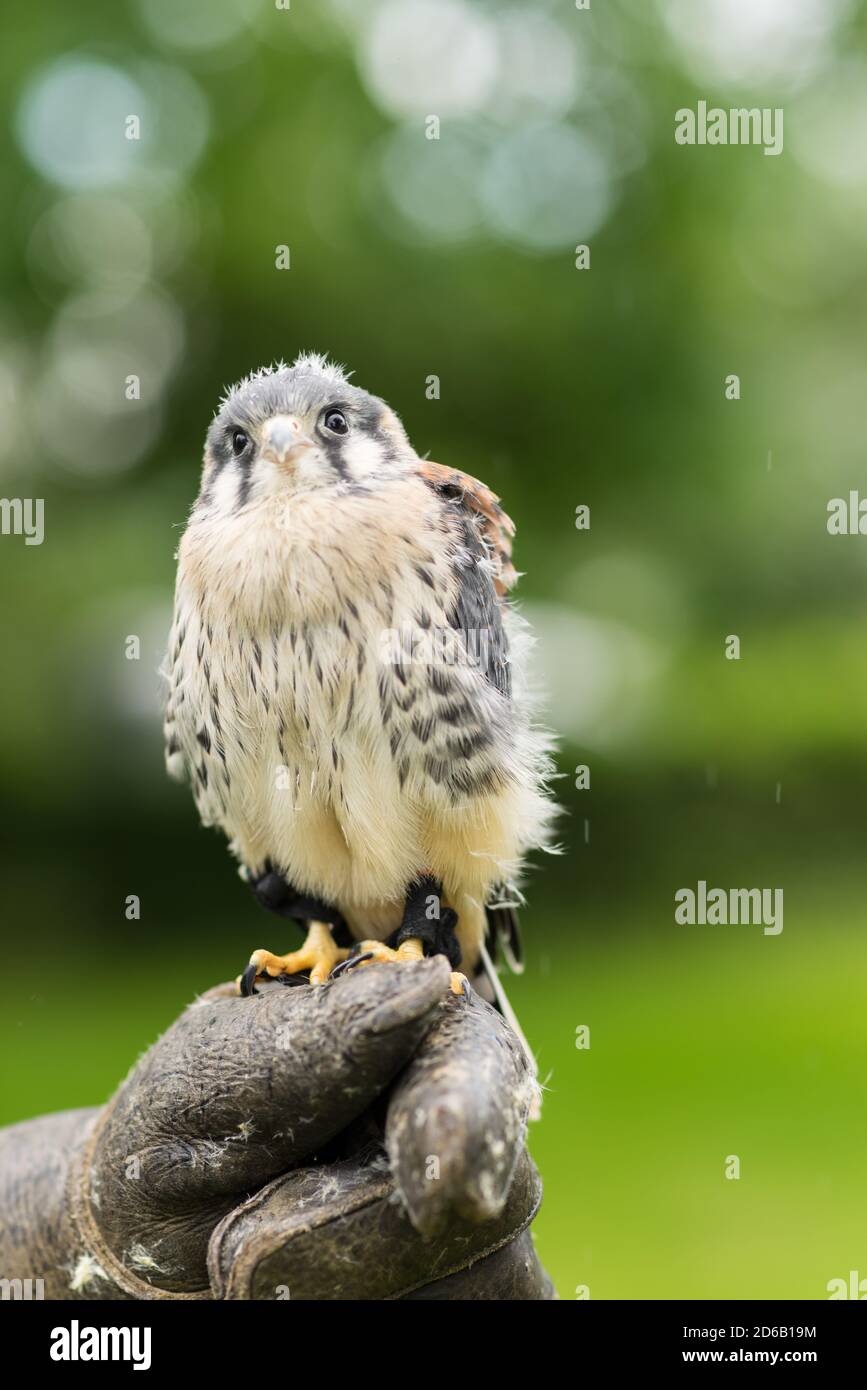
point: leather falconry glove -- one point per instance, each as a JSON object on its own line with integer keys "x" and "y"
{"x": 363, "y": 1139}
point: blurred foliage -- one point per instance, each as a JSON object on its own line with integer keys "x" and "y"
{"x": 558, "y": 387}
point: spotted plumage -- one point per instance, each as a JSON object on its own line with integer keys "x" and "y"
{"x": 346, "y": 682}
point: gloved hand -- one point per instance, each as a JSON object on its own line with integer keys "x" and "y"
{"x": 363, "y": 1139}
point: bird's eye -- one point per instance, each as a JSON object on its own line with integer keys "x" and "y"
{"x": 335, "y": 421}
{"x": 240, "y": 440}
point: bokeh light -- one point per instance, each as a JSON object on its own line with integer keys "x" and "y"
{"x": 829, "y": 136}
{"x": 86, "y": 124}
{"x": 422, "y": 57}
{"x": 95, "y": 240}
{"x": 540, "y": 67}
{"x": 597, "y": 674}
{"x": 196, "y": 24}
{"x": 431, "y": 185}
{"x": 754, "y": 40}
{"x": 82, "y": 406}
{"x": 546, "y": 187}
{"x": 71, "y": 122}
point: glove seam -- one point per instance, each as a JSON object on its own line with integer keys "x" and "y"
{"x": 91, "y": 1237}
{"x": 247, "y": 1267}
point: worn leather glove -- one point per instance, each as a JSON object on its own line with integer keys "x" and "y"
{"x": 363, "y": 1139}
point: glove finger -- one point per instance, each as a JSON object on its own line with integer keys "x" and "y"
{"x": 338, "y": 1233}
{"x": 457, "y": 1117}
{"x": 237, "y": 1091}
{"x": 511, "y": 1274}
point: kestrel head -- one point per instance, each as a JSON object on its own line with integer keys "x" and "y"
{"x": 299, "y": 429}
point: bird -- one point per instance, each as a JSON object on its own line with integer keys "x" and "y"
{"x": 348, "y": 683}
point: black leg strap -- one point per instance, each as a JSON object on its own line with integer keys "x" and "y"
{"x": 425, "y": 918}
{"x": 272, "y": 892}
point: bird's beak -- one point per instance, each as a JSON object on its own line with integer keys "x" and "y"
{"x": 284, "y": 440}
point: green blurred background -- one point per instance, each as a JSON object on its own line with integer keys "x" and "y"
{"x": 413, "y": 257}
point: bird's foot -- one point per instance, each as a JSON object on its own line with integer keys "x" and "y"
{"x": 318, "y": 954}
{"x": 409, "y": 950}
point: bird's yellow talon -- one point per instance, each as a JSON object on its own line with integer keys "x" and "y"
{"x": 409, "y": 950}
{"x": 318, "y": 954}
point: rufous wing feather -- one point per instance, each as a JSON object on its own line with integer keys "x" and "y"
{"x": 496, "y": 528}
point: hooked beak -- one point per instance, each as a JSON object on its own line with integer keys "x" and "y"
{"x": 284, "y": 440}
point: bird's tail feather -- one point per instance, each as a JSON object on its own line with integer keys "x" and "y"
{"x": 505, "y": 932}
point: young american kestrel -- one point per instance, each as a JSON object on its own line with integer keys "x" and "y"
{"x": 346, "y": 692}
